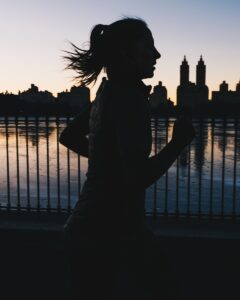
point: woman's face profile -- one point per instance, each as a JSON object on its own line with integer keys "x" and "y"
{"x": 145, "y": 57}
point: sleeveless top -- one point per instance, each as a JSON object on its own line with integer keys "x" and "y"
{"x": 120, "y": 142}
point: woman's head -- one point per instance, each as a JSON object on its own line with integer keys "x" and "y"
{"x": 124, "y": 48}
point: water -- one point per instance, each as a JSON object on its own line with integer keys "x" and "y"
{"x": 209, "y": 183}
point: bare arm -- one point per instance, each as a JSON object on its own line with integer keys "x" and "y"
{"x": 80, "y": 146}
{"x": 158, "y": 164}
{"x": 74, "y": 136}
{"x": 131, "y": 127}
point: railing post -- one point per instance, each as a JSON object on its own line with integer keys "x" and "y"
{"x": 58, "y": 166}
{"x": 27, "y": 162}
{"x": 37, "y": 162}
{"x": 223, "y": 168}
{"x": 68, "y": 176}
{"x": 211, "y": 169}
{"x": 7, "y": 162}
{"x": 235, "y": 167}
{"x": 48, "y": 171}
{"x": 188, "y": 181}
{"x": 177, "y": 188}
{"x": 155, "y": 183}
{"x": 166, "y": 175}
{"x": 79, "y": 175}
{"x": 17, "y": 165}
{"x": 201, "y": 135}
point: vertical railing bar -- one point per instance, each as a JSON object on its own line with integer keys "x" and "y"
{"x": 79, "y": 175}
{"x": 7, "y": 162}
{"x": 211, "y": 168}
{"x": 200, "y": 170}
{"x": 166, "y": 175}
{"x": 17, "y": 165}
{"x": 235, "y": 167}
{"x": 68, "y": 176}
{"x": 223, "y": 168}
{"x": 189, "y": 180}
{"x": 177, "y": 189}
{"x": 27, "y": 162}
{"x": 58, "y": 167}
{"x": 1, "y": 124}
{"x": 37, "y": 162}
{"x": 155, "y": 183}
{"x": 48, "y": 170}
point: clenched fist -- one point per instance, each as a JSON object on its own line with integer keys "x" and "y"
{"x": 183, "y": 132}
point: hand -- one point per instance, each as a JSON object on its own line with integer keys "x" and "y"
{"x": 183, "y": 132}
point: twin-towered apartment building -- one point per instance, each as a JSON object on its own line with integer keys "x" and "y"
{"x": 194, "y": 95}
{"x": 197, "y": 94}
{"x": 189, "y": 95}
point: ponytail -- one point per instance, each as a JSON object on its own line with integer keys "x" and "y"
{"x": 88, "y": 63}
{"x": 106, "y": 43}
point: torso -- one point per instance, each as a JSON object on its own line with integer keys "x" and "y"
{"x": 104, "y": 196}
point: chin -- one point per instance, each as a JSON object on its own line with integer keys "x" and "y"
{"x": 148, "y": 75}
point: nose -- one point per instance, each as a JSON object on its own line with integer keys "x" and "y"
{"x": 157, "y": 54}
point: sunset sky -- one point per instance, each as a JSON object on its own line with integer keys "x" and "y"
{"x": 34, "y": 33}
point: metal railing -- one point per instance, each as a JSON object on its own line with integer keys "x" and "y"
{"x": 39, "y": 174}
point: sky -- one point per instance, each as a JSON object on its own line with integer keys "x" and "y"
{"x": 34, "y": 33}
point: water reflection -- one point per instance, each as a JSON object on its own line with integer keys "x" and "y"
{"x": 206, "y": 185}
{"x": 200, "y": 143}
{"x": 184, "y": 158}
{"x": 36, "y": 130}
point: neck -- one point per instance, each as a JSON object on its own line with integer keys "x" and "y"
{"x": 121, "y": 75}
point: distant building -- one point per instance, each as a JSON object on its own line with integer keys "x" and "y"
{"x": 9, "y": 103}
{"x": 158, "y": 99}
{"x": 201, "y": 87}
{"x": 33, "y": 95}
{"x": 77, "y": 97}
{"x": 238, "y": 87}
{"x": 192, "y": 95}
{"x": 225, "y": 96}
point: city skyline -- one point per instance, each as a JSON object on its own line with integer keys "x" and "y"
{"x": 35, "y": 34}
{"x": 184, "y": 70}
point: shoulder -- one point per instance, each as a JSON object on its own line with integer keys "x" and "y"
{"x": 123, "y": 96}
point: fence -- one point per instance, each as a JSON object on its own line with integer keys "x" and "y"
{"x": 39, "y": 174}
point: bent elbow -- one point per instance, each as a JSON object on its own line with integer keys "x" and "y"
{"x": 61, "y": 139}
{"x": 64, "y": 139}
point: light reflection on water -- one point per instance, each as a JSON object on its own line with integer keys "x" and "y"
{"x": 177, "y": 196}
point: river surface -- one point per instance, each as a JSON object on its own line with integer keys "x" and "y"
{"x": 37, "y": 171}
